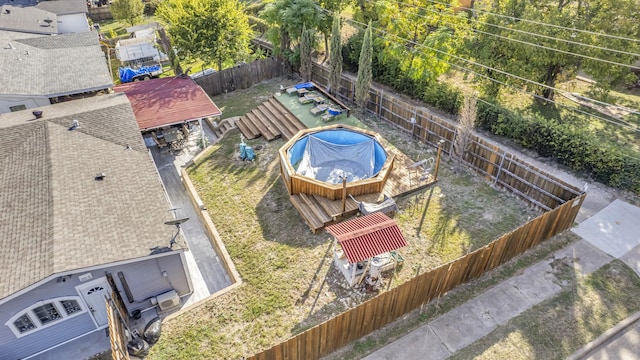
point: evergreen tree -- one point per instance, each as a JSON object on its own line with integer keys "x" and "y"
{"x": 363, "y": 81}
{"x": 306, "y": 45}
{"x": 335, "y": 56}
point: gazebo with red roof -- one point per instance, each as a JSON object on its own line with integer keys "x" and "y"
{"x": 168, "y": 101}
{"x": 373, "y": 236}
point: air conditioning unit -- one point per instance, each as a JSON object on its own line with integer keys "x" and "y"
{"x": 167, "y": 300}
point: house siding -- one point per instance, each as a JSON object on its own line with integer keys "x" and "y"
{"x": 144, "y": 278}
{"x": 6, "y": 101}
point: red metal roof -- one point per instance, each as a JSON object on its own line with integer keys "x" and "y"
{"x": 367, "y": 236}
{"x": 166, "y": 101}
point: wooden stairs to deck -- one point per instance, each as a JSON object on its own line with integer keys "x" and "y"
{"x": 222, "y": 127}
{"x": 270, "y": 120}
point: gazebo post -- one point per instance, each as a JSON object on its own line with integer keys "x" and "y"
{"x": 344, "y": 194}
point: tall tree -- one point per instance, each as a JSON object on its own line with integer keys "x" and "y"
{"x": 335, "y": 56}
{"x": 363, "y": 81}
{"x": 129, "y": 11}
{"x": 214, "y": 31}
{"x": 419, "y": 36}
{"x": 286, "y": 18}
{"x": 306, "y": 45}
{"x": 525, "y": 48}
{"x": 466, "y": 123}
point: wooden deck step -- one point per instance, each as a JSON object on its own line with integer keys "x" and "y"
{"x": 315, "y": 208}
{"x": 247, "y": 129}
{"x": 291, "y": 118}
{"x": 292, "y": 123}
{"x": 314, "y": 223}
{"x": 334, "y": 207}
{"x": 262, "y": 128}
{"x": 281, "y": 122}
{"x": 267, "y": 123}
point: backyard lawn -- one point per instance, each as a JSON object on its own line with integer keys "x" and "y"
{"x": 289, "y": 283}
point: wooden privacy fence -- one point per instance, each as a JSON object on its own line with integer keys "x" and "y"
{"x": 117, "y": 329}
{"x": 241, "y": 77}
{"x": 373, "y": 314}
{"x": 498, "y": 166}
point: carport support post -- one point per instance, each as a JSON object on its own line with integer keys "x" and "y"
{"x": 344, "y": 194}
{"x": 435, "y": 171}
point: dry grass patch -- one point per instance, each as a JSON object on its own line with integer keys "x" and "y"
{"x": 289, "y": 283}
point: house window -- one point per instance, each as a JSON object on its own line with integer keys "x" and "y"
{"x": 71, "y": 306}
{"x": 24, "y": 324}
{"x": 17, "y": 108}
{"x": 44, "y": 314}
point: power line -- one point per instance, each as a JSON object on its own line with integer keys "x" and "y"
{"x": 593, "y": 100}
{"x": 523, "y": 32}
{"x": 559, "y": 50}
{"x": 542, "y": 46}
{"x": 620, "y": 123}
{"x": 629, "y": 127}
{"x": 573, "y": 30}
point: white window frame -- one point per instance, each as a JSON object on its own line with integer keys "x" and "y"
{"x": 57, "y": 304}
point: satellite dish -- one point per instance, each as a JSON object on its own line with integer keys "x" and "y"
{"x": 176, "y": 222}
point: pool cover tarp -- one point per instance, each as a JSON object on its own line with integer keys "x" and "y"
{"x": 329, "y": 162}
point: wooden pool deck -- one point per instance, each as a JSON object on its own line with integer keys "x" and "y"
{"x": 272, "y": 120}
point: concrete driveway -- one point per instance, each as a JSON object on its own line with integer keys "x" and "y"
{"x": 210, "y": 275}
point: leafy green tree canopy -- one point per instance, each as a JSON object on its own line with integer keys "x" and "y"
{"x": 525, "y": 48}
{"x": 286, "y": 19}
{"x": 129, "y": 11}
{"x": 214, "y": 31}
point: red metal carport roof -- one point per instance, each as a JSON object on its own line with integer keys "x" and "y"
{"x": 161, "y": 102}
{"x": 367, "y": 236}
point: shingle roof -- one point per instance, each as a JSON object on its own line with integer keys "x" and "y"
{"x": 64, "y": 7}
{"x": 54, "y": 216}
{"x": 60, "y": 7}
{"x": 28, "y": 19}
{"x": 367, "y": 236}
{"x": 161, "y": 102}
{"x": 52, "y": 65}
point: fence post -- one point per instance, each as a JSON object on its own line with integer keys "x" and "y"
{"x": 380, "y": 103}
{"x": 455, "y": 133}
{"x": 495, "y": 182}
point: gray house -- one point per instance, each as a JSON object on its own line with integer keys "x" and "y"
{"x": 83, "y": 216}
{"x": 38, "y": 70}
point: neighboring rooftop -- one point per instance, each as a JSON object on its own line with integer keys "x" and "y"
{"x": 151, "y": 25}
{"x": 52, "y": 66}
{"x": 367, "y": 236}
{"x": 162, "y": 102}
{"x": 54, "y": 215}
{"x": 59, "y": 7}
{"x": 28, "y": 19}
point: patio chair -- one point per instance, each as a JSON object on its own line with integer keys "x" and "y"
{"x": 318, "y": 109}
{"x": 421, "y": 170}
{"x": 307, "y": 98}
{"x": 331, "y": 114}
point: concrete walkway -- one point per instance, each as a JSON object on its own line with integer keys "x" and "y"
{"x": 478, "y": 317}
{"x": 208, "y": 274}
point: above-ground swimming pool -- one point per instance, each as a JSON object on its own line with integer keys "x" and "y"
{"x": 316, "y": 161}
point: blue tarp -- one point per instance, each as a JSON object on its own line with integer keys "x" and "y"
{"x": 246, "y": 152}
{"x": 127, "y": 74}
{"x": 307, "y": 85}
